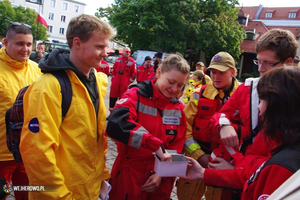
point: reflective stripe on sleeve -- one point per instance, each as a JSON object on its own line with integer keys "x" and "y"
{"x": 137, "y": 137}
{"x": 196, "y": 98}
{"x": 191, "y": 145}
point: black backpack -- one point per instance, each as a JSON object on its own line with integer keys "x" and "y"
{"x": 14, "y": 116}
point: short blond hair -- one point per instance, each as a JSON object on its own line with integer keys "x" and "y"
{"x": 83, "y": 27}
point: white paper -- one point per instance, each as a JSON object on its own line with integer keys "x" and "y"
{"x": 105, "y": 189}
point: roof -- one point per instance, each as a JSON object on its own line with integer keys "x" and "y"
{"x": 280, "y": 13}
{"x": 251, "y": 11}
{"x": 260, "y": 29}
{"x": 294, "y": 30}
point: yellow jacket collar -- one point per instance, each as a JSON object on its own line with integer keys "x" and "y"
{"x": 197, "y": 83}
{"x": 211, "y": 92}
{"x": 11, "y": 62}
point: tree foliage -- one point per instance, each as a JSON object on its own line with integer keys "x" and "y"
{"x": 20, "y": 14}
{"x": 177, "y": 25}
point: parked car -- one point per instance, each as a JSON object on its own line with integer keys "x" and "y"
{"x": 111, "y": 58}
{"x": 139, "y": 56}
{"x": 52, "y": 45}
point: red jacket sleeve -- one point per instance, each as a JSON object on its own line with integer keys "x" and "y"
{"x": 122, "y": 125}
{"x": 236, "y": 178}
{"x": 230, "y": 114}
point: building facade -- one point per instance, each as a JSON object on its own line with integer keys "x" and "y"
{"x": 57, "y": 14}
{"x": 257, "y": 20}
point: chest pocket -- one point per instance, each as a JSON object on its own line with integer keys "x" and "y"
{"x": 206, "y": 109}
{"x": 171, "y": 124}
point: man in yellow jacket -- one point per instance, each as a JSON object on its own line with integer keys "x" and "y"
{"x": 17, "y": 71}
{"x": 67, "y": 156}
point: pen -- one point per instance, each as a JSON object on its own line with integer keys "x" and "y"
{"x": 162, "y": 148}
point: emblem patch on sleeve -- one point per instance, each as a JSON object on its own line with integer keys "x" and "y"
{"x": 263, "y": 197}
{"x": 34, "y": 125}
{"x": 121, "y": 101}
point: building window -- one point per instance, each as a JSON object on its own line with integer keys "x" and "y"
{"x": 76, "y": 8}
{"x": 61, "y": 30}
{"x": 292, "y": 15}
{"x": 50, "y": 29}
{"x": 51, "y": 16}
{"x": 63, "y": 18}
{"x": 52, "y": 3}
{"x": 268, "y": 15}
{"x": 65, "y": 6}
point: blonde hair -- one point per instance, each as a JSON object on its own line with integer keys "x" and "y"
{"x": 83, "y": 27}
{"x": 175, "y": 61}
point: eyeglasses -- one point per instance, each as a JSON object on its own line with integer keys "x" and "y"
{"x": 258, "y": 62}
{"x": 127, "y": 51}
{"x": 18, "y": 24}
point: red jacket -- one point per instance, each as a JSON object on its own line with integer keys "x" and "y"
{"x": 122, "y": 75}
{"x": 141, "y": 121}
{"x": 236, "y": 112}
{"x": 260, "y": 176}
{"x": 104, "y": 67}
{"x": 271, "y": 174}
{"x": 143, "y": 73}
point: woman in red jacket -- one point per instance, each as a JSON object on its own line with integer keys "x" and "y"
{"x": 147, "y": 116}
{"x": 279, "y": 107}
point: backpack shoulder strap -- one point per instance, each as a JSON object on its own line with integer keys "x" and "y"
{"x": 66, "y": 90}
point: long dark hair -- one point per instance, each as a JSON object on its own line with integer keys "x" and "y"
{"x": 280, "y": 88}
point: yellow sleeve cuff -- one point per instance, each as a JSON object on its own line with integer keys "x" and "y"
{"x": 197, "y": 154}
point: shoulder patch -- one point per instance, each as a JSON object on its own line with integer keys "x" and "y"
{"x": 34, "y": 125}
{"x": 121, "y": 101}
{"x": 263, "y": 197}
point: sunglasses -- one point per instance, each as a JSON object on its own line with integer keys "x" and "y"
{"x": 127, "y": 51}
{"x": 18, "y": 24}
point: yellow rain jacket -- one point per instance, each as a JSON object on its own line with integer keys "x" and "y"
{"x": 67, "y": 157}
{"x": 13, "y": 76}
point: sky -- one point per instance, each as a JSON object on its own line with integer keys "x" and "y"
{"x": 92, "y": 5}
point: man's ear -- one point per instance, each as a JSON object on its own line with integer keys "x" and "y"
{"x": 289, "y": 61}
{"x": 5, "y": 42}
{"x": 232, "y": 72}
{"x": 76, "y": 42}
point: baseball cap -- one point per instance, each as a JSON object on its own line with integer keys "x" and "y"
{"x": 222, "y": 61}
{"x": 158, "y": 55}
{"x": 199, "y": 74}
{"x": 200, "y": 63}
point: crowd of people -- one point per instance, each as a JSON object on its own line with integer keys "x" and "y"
{"x": 241, "y": 139}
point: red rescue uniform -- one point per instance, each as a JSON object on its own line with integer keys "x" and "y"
{"x": 141, "y": 121}
{"x": 143, "y": 73}
{"x": 122, "y": 75}
{"x": 104, "y": 67}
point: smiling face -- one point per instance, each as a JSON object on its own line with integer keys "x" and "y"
{"x": 170, "y": 83}
{"x": 91, "y": 52}
{"x": 222, "y": 80}
{"x": 19, "y": 47}
{"x": 148, "y": 63}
